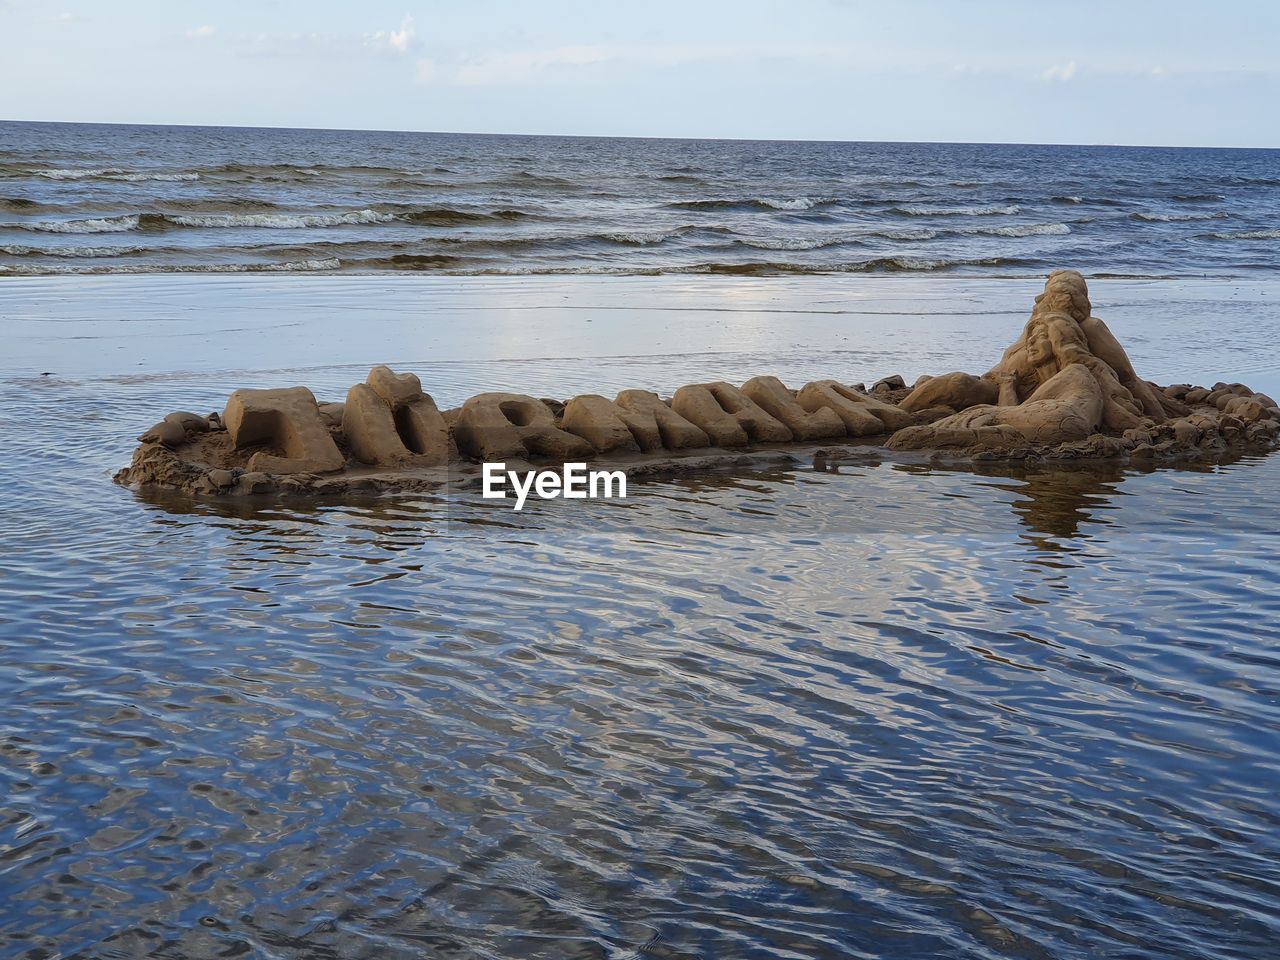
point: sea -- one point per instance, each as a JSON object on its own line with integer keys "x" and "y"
{"x": 84, "y": 198}
{"x": 862, "y": 710}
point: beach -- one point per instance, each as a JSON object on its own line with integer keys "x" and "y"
{"x": 974, "y": 712}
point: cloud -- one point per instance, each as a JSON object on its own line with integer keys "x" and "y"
{"x": 397, "y": 41}
{"x": 200, "y": 33}
{"x": 1060, "y": 72}
{"x": 402, "y": 39}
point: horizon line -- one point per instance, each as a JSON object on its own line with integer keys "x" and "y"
{"x": 599, "y": 136}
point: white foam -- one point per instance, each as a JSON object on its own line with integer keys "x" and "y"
{"x": 280, "y": 221}
{"x": 23, "y": 250}
{"x": 989, "y": 211}
{"x": 798, "y": 203}
{"x": 637, "y": 238}
{"x": 98, "y": 225}
{"x": 1025, "y": 230}
{"x": 77, "y": 174}
{"x": 115, "y": 173}
{"x": 789, "y": 243}
{"x": 1178, "y": 217}
{"x": 923, "y": 234}
{"x": 293, "y": 266}
{"x": 167, "y": 177}
{"x": 1249, "y": 235}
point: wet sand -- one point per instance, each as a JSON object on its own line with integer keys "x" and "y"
{"x": 559, "y": 336}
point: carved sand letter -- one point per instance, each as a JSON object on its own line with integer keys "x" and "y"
{"x": 599, "y": 422}
{"x": 772, "y": 395}
{"x": 655, "y": 425}
{"x": 729, "y": 417}
{"x": 849, "y": 405}
{"x": 389, "y": 420}
{"x": 284, "y": 419}
{"x": 494, "y": 426}
{"x": 370, "y": 428}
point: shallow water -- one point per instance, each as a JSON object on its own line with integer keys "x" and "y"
{"x": 101, "y": 198}
{"x": 885, "y": 711}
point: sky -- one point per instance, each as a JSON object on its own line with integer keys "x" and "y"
{"x": 1175, "y": 72}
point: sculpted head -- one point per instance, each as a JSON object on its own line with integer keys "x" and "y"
{"x": 1065, "y": 292}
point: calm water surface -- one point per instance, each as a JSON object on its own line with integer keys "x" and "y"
{"x": 888, "y": 711}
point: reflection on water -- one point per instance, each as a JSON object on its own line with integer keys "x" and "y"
{"x": 727, "y": 717}
{"x": 887, "y": 711}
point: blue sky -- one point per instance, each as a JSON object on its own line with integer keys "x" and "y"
{"x": 1124, "y": 71}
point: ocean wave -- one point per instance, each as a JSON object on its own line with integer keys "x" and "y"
{"x": 1248, "y": 235}
{"x": 978, "y": 211}
{"x": 447, "y": 216}
{"x": 116, "y": 173}
{"x": 24, "y": 250}
{"x": 1023, "y": 230}
{"x": 1178, "y": 217}
{"x": 296, "y": 266}
{"x": 638, "y": 239}
{"x": 18, "y": 204}
{"x": 267, "y": 221}
{"x": 403, "y": 262}
{"x": 76, "y": 174}
{"x": 923, "y": 233}
{"x": 1198, "y": 197}
{"x": 1091, "y": 201}
{"x": 875, "y": 265}
{"x": 121, "y": 224}
{"x": 754, "y": 203}
{"x": 279, "y": 221}
{"x": 817, "y": 243}
{"x": 794, "y": 243}
{"x": 217, "y": 204}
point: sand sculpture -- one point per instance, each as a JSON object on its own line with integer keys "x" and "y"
{"x": 1065, "y": 390}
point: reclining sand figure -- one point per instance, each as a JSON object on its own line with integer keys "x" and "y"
{"x": 1064, "y": 378}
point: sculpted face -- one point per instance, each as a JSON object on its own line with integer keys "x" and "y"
{"x": 1039, "y": 346}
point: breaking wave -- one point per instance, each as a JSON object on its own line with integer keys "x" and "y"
{"x": 794, "y": 243}
{"x": 116, "y": 173}
{"x": 297, "y": 266}
{"x": 758, "y": 203}
{"x": 1248, "y": 235}
{"x": 640, "y": 239}
{"x": 24, "y": 250}
{"x": 278, "y": 221}
{"x": 1178, "y": 217}
{"x": 977, "y": 211}
{"x": 876, "y": 265}
{"x": 1091, "y": 201}
{"x": 120, "y": 224}
{"x": 268, "y": 221}
{"x": 1024, "y": 230}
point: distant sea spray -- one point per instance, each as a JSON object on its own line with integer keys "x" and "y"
{"x": 323, "y": 201}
